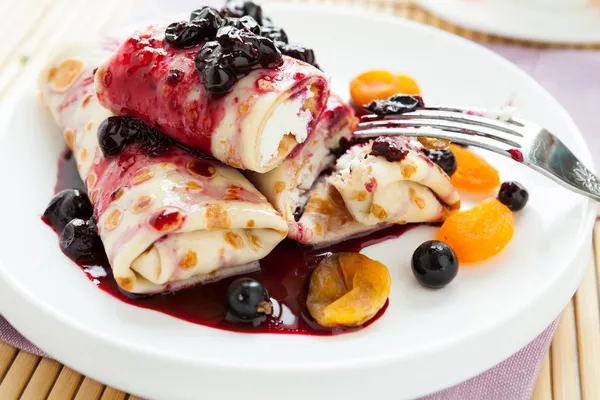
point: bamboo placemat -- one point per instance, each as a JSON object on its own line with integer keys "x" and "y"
{"x": 30, "y": 32}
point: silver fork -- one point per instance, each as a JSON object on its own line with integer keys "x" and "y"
{"x": 517, "y": 138}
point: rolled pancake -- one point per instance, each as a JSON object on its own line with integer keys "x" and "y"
{"x": 366, "y": 193}
{"x": 287, "y": 187}
{"x": 326, "y": 219}
{"x": 167, "y": 219}
{"x": 376, "y": 190}
{"x": 255, "y": 126}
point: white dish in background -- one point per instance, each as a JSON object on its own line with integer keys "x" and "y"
{"x": 520, "y": 19}
{"x": 426, "y": 341}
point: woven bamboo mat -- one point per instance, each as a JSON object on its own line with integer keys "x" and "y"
{"x": 571, "y": 370}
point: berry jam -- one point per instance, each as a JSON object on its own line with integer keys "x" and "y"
{"x": 284, "y": 273}
{"x": 516, "y": 155}
{"x": 388, "y": 148}
{"x": 167, "y": 219}
{"x": 397, "y": 104}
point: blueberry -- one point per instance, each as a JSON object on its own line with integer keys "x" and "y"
{"x": 513, "y": 195}
{"x": 248, "y": 301}
{"x": 444, "y": 158}
{"x": 209, "y": 53}
{"x": 240, "y": 8}
{"x": 298, "y": 52}
{"x": 184, "y": 34}
{"x": 232, "y": 39}
{"x": 388, "y": 148}
{"x": 270, "y": 56}
{"x": 65, "y": 206}
{"x": 114, "y": 133}
{"x": 248, "y": 23}
{"x": 397, "y": 104}
{"x": 274, "y": 33}
{"x": 213, "y": 17}
{"x": 218, "y": 79}
{"x": 79, "y": 240}
{"x": 434, "y": 264}
{"x": 238, "y": 62}
{"x": 232, "y": 54}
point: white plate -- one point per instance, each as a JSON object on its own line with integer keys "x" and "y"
{"x": 427, "y": 340}
{"x": 521, "y": 19}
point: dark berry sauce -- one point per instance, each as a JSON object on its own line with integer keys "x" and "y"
{"x": 284, "y": 273}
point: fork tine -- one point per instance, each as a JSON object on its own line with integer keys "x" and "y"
{"x": 427, "y": 131}
{"x": 455, "y": 117}
{"x": 443, "y": 125}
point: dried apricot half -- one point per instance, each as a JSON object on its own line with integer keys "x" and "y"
{"x": 347, "y": 289}
{"x": 479, "y": 233}
{"x": 379, "y": 85}
{"x": 473, "y": 172}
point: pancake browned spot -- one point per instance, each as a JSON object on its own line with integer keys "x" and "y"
{"x": 217, "y": 217}
{"x": 189, "y": 260}
{"x": 142, "y": 176}
{"x": 234, "y": 240}
{"x": 141, "y": 204}
{"x": 69, "y": 135}
{"x": 416, "y": 199}
{"x": 125, "y": 283}
{"x": 379, "y": 212}
{"x": 407, "y": 168}
{"x": 112, "y": 220}
{"x": 65, "y": 74}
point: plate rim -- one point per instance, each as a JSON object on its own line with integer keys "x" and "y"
{"x": 360, "y": 364}
{"x": 544, "y": 38}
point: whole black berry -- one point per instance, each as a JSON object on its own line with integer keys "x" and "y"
{"x": 65, "y": 206}
{"x": 248, "y": 23}
{"x": 444, "y": 158}
{"x": 388, "y": 148}
{"x": 240, "y": 8}
{"x": 232, "y": 54}
{"x": 114, "y": 133}
{"x": 248, "y": 301}
{"x": 513, "y": 195}
{"x": 298, "y": 52}
{"x": 396, "y": 104}
{"x": 434, "y": 264}
{"x": 213, "y": 17}
{"x": 79, "y": 240}
{"x": 184, "y": 34}
{"x": 270, "y": 56}
{"x": 233, "y": 39}
{"x": 209, "y": 53}
{"x": 218, "y": 79}
{"x": 274, "y": 33}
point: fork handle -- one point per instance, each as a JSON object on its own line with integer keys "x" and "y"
{"x": 558, "y": 163}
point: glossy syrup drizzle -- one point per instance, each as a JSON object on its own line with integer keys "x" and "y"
{"x": 284, "y": 272}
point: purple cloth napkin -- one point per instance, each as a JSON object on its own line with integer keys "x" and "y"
{"x": 573, "y": 77}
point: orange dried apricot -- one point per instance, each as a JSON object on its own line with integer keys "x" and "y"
{"x": 379, "y": 85}
{"x": 473, "y": 172}
{"x": 479, "y": 233}
{"x": 347, "y": 289}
